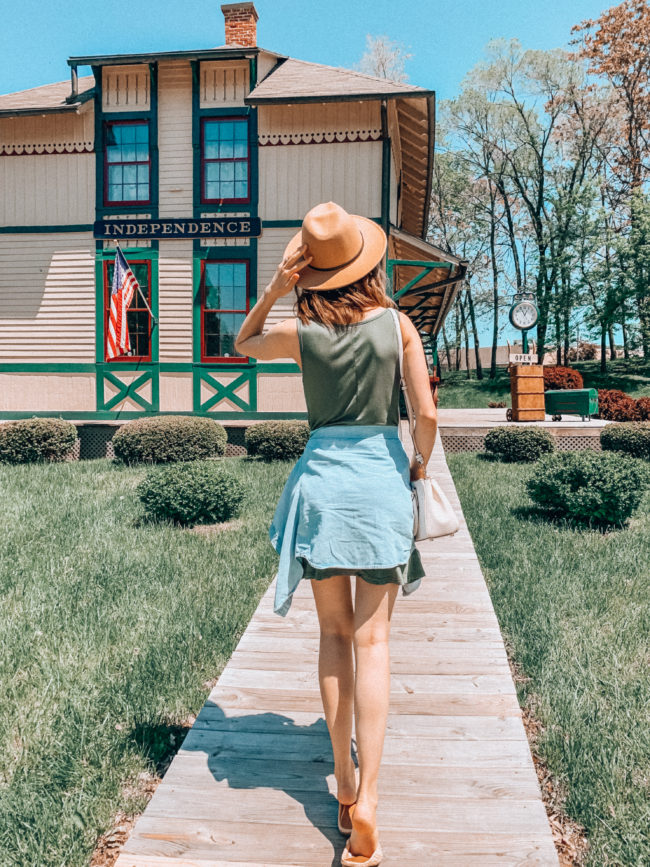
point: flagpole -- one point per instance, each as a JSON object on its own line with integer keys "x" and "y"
{"x": 153, "y": 318}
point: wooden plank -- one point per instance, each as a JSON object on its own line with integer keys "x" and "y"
{"x": 307, "y": 844}
{"x": 289, "y": 700}
{"x": 253, "y": 781}
{"x": 192, "y": 771}
{"x": 398, "y": 725}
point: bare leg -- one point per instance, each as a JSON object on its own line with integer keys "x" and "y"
{"x": 333, "y": 599}
{"x": 373, "y": 608}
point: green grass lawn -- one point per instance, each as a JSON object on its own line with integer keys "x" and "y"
{"x": 574, "y": 606}
{"x": 457, "y": 392}
{"x": 111, "y": 630}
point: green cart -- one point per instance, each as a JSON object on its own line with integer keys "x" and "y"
{"x": 571, "y": 401}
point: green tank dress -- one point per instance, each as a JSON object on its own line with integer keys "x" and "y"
{"x": 350, "y": 376}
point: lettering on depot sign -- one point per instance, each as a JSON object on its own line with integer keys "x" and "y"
{"x": 213, "y": 227}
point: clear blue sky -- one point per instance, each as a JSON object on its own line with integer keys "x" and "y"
{"x": 446, "y": 39}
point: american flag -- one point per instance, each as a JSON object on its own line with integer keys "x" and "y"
{"x": 122, "y": 289}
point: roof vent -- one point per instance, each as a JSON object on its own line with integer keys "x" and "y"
{"x": 241, "y": 24}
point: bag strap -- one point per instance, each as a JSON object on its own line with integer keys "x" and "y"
{"x": 407, "y": 399}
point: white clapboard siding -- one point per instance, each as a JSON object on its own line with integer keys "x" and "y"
{"x": 265, "y": 63}
{"x": 270, "y": 249}
{"x": 225, "y": 242}
{"x": 294, "y": 178}
{"x": 175, "y": 139}
{"x": 223, "y": 83}
{"x": 126, "y": 88}
{"x": 47, "y": 190}
{"x": 52, "y": 133}
{"x": 47, "y": 170}
{"x": 313, "y": 122}
{"x": 47, "y": 297}
{"x": 175, "y": 304}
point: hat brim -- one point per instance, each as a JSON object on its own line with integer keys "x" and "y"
{"x": 374, "y": 247}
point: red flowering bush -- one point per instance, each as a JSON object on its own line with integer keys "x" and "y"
{"x": 561, "y": 377}
{"x": 615, "y": 405}
{"x": 643, "y": 405}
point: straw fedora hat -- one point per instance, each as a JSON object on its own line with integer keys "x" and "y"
{"x": 344, "y": 247}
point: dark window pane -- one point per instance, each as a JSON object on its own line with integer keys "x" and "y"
{"x": 220, "y": 331}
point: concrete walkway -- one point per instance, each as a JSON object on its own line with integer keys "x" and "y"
{"x": 253, "y": 783}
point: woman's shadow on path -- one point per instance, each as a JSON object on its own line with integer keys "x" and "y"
{"x": 269, "y": 750}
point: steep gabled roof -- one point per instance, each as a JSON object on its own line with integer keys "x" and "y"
{"x": 47, "y": 98}
{"x": 302, "y": 81}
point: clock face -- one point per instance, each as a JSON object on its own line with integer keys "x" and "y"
{"x": 524, "y": 315}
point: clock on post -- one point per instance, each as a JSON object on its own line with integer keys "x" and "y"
{"x": 526, "y": 376}
{"x": 524, "y": 315}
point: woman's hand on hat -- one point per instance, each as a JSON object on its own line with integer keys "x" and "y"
{"x": 288, "y": 273}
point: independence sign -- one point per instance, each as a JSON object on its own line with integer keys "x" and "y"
{"x": 210, "y": 227}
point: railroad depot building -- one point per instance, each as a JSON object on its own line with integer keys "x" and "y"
{"x": 202, "y": 165}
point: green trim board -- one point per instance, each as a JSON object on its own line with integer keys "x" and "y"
{"x": 47, "y": 367}
{"x": 34, "y": 230}
{"x": 98, "y": 416}
{"x": 163, "y": 366}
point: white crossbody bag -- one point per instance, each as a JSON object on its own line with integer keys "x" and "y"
{"x": 432, "y": 512}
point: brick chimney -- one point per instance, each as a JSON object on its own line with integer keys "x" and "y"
{"x": 241, "y": 24}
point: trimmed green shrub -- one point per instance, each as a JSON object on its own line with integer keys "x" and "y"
{"x": 169, "y": 438}
{"x": 630, "y": 438}
{"x": 513, "y": 443}
{"x": 643, "y": 405}
{"x": 597, "y": 488}
{"x": 277, "y": 440}
{"x": 198, "y": 492}
{"x": 30, "y": 440}
{"x": 615, "y": 405}
{"x": 556, "y": 376}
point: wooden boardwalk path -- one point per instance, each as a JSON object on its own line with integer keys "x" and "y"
{"x": 253, "y": 783}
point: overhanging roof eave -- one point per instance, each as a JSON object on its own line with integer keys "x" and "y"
{"x": 334, "y": 97}
{"x": 234, "y": 53}
{"x": 428, "y": 249}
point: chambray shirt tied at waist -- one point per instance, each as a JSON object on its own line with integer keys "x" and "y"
{"x": 346, "y": 504}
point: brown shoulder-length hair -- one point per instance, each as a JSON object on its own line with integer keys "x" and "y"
{"x": 344, "y": 305}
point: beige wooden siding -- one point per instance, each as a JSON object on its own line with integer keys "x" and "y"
{"x": 270, "y": 249}
{"x": 47, "y": 392}
{"x": 175, "y": 300}
{"x": 280, "y": 392}
{"x": 175, "y": 139}
{"x": 125, "y": 88}
{"x": 175, "y": 392}
{"x": 47, "y": 297}
{"x": 265, "y": 63}
{"x": 47, "y": 170}
{"x": 223, "y": 83}
{"x": 319, "y": 122}
{"x": 294, "y": 178}
{"x": 52, "y": 133}
{"x": 52, "y": 190}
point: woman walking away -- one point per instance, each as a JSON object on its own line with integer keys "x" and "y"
{"x": 346, "y": 506}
